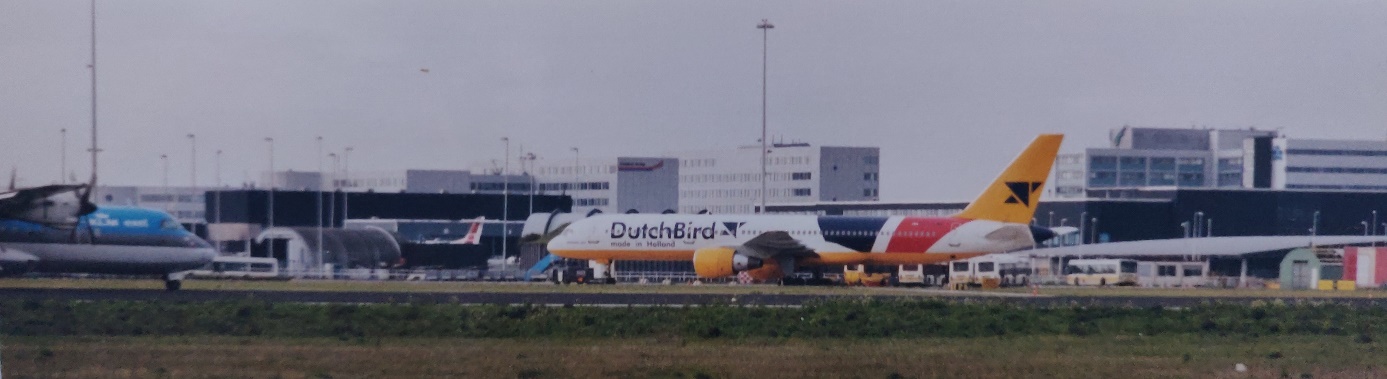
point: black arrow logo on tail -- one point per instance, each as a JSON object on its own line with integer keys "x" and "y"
{"x": 1021, "y": 192}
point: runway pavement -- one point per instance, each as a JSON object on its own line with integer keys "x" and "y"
{"x": 624, "y": 299}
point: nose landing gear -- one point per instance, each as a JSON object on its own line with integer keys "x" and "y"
{"x": 173, "y": 281}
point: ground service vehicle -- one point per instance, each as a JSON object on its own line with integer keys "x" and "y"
{"x": 233, "y": 267}
{"x": 1101, "y": 272}
{"x": 866, "y": 275}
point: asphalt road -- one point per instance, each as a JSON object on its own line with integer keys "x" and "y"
{"x": 621, "y": 299}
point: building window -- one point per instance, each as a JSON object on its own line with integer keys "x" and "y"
{"x": 1133, "y": 179}
{"x": 1165, "y": 270}
{"x": 1163, "y": 179}
{"x": 1133, "y": 163}
{"x": 1230, "y": 179}
{"x": 871, "y": 176}
{"x": 156, "y": 198}
{"x": 1191, "y": 165}
{"x": 870, "y": 159}
{"x": 1338, "y": 170}
{"x": 801, "y": 176}
{"x": 1102, "y": 179}
{"x": 595, "y": 202}
{"x": 1226, "y": 164}
{"x": 1358, "y": 153}
{"x": 1194, "y": 271}
{"x": 869, "y": 192}
{"x": 1100, "y": 163}
{"x": 1189, "y": 179}
{"x": 802, "y": 192}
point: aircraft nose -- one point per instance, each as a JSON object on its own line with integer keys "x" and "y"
{"x": 205, "y": 256}
{"x": 1039, "y": 234}
{"x": 559, "y": 241}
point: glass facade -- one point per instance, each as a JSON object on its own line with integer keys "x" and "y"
{"x": 1132, "y": 171}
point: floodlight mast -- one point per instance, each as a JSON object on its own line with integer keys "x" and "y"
{"x": 765, "y": 27}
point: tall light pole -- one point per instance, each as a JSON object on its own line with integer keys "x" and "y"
{"x": 575, "y": 170}
{"x": 62, "y": 173}
{"x": 94, "y": 150}
{"x": 1198, "y": 221}
{"x": 530, "y": 157}
{"x": 1083, "y": 228}
{"x": 765, "y": 27}
{"x": 192, "y": 161}
{"x": 1374, "y": 227}
{"x": 319, "y": 199}
{"x": 346, "y": 183}
{"x": 270, "y": 215}
{"x": 332, "y": 196}
{"x": 505, "y": 203}
{"x": 217, "y": 202}
{"x": 1093, "y": 223}
{"x": 1315, "y": 224}
{"x": 164, "y": 161}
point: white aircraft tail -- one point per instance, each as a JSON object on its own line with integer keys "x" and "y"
{"x": 474, "y": 234}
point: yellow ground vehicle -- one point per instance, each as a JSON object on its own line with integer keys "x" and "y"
{"x": 1101, "y": 272}
{"x": 866, "y": 276}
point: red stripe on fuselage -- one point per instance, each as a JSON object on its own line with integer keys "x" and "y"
{"x": 917, "y": 234}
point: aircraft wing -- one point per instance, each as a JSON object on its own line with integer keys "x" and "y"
{"x": 775, "y": 244}
{"x": 1216, "y": 246}
{"x": 15, "y": 262}
{"x": 25, "y": 196}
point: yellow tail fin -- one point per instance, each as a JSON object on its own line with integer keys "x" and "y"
{"x": 1015, "y": 194}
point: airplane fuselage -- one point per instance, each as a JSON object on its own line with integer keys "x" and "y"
{"x": 835, "y": 240}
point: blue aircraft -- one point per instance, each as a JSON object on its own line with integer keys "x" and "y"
{"x": 57, "y": 229}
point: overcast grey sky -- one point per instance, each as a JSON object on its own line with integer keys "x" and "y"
{"x": 950, "y": 90}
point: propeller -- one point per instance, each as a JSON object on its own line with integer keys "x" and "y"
{"x": 84, "y": 207}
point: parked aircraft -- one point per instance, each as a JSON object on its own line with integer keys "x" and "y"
{"x": 768, "y": 247}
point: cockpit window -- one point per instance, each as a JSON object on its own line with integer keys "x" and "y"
{"x": 170, "y": 224}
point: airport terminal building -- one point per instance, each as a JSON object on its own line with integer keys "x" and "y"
{"x": 1221, "y": 158}
{"x": 614, "y": 185}
{"x": 729, "y": 180}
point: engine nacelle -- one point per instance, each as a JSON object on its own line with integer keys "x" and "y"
{"x": 58, "y": 209}
{"x": 15, "y": 262}
{"x": 717, "y": 262}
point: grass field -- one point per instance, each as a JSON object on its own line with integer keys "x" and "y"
{"x": 397, "y": 286}
{"x": 1185, "y": 356}
{"x": 1201, "y": 292}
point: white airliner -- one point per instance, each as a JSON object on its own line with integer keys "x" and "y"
{"x": 768, "y": 247}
